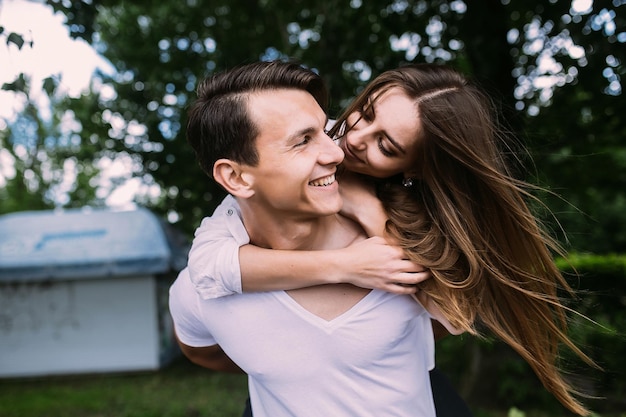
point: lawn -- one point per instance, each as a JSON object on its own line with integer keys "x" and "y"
{"x": 180, "y": 390}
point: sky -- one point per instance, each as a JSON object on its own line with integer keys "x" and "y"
{"x": 53, "y": 53}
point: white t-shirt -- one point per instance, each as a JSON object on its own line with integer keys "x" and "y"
{"x": 373, "y": 360}
{"x": 214, "y": 255}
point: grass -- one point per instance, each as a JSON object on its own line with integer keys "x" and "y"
{"x": 180, "y": 390}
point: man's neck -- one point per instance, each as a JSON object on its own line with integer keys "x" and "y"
{"x": 274, "y": 232}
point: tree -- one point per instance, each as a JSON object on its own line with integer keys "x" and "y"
{"x": 554, "y": 67}
{"x": 44, "y": 162}
{"x": 546, "y": 62}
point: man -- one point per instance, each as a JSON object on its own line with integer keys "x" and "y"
{"x": 335, "y": 350}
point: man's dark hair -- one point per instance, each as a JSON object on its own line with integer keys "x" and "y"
{"x": 219, "y": 125}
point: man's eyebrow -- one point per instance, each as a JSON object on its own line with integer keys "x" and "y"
{"x": 306, "y": 131}
{"x": 302, "y": 132}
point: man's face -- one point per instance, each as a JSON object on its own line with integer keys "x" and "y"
{"x": 295, "y": 177}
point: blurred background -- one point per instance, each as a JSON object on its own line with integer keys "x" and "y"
{"x": 92, "y": 115}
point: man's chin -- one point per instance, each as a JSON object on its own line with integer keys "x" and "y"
{"x": 329, "y": 209}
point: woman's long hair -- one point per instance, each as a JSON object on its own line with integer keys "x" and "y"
{"x": 467, "y": 219}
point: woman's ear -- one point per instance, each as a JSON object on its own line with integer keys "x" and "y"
{"x": 234, "y": 178}
{"x": 412, "y": 174}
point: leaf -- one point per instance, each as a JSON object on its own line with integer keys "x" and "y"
{"x": 19, "y": 85}
{"x": 15, "y": 38}
{"x": 49, "y": 85}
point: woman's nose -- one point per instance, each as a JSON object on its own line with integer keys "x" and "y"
{"x": 357, "y": 136}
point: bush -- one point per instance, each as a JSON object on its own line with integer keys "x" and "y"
{"x": 600, "y": 281}
{"x": 488, "y": 374}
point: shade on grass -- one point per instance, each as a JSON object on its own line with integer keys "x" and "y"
{"x": 180, "y": 390}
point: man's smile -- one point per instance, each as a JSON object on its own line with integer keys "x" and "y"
{"x": 323, "y": 182}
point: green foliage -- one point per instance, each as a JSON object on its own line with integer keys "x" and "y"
{"x": 53, "y": 166}
{"x": 577, "y": 140}
{"x": 601, "y": 283}
{"x": 514, "y": 412}
{"x": 490, "y": 375}
{"x": 18, "y": 85}
{"x": 14, "y": 38}
{"x": 162, "y": 50}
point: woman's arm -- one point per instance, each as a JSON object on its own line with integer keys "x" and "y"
{"x": 371, "y": 263}
{"x": 436, "y": 314}
{"x": 222, "y": 262}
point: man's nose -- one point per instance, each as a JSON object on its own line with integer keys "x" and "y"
{"x": 330, "y": 153}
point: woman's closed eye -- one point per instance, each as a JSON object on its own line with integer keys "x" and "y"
{"x": 368, "y": 115}
{"x": 383, "y": 149}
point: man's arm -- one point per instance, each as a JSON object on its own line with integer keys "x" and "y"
{"x": 189, "y": 326}
{"x": 211, "y": 357}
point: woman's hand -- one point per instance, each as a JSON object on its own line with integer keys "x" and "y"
{"x": 374, "y": 263}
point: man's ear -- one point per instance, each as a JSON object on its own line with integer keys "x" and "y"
{"x": 233, "y": 177}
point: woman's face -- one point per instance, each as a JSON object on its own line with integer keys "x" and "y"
{"x": 383, "y": 138}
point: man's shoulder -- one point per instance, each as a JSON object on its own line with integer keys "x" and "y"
{"x": 347, "y": 233}
{"x": 228, "y": 204}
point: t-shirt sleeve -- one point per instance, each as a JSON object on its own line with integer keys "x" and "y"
{"x": 184, "y": 307}
{"x": 214, "y": 256}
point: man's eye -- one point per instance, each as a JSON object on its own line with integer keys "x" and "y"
{"x": 304, "y": 141}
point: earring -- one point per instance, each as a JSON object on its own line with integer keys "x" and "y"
{"x": 407, "y": 182}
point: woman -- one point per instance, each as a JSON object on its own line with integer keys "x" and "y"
{"x": 427, "y": 143}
